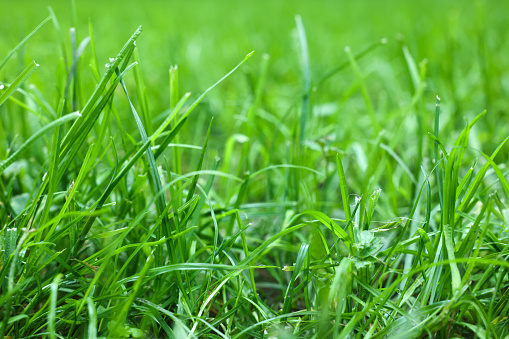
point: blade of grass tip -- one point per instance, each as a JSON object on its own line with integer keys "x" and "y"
{"x": 174, "y": 89}
{"x": 68, "y": 153}
{"x": 465, "y": 182}
{"x": 200, "y": 98}
{"x": 22, "y": 42}
{"x": 330, "y": 224}
{"x": 344, "y": 190}
{"x": 373, "y": 199}
{"x": 85, "y": 123}
{"x": 53, "y": 306}
{"x": 27, "y": 72}
{"x": 438, "y": 169}
{"x": 306, "y": 77}
{"x": 200, "y": 164}
{"x": 345, "y": 64}
{"x": 7, "y": 162}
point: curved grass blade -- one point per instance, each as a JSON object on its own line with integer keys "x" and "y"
{"x": 7, "y": 162}
{"x": 27, "y": 72}
{"x": 85, "y": 122}
{"x": 18, "y": 46}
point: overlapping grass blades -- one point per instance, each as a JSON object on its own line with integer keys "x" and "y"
{"x": 117, "y": 230}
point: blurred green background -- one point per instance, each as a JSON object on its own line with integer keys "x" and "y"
{"x": 462, "y": 46}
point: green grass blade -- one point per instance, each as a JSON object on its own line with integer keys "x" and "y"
{"x": 306, "y": 78}
{"x": 199, "y": 165}
{"x": 440, "y": 181}
{"x": 344, "y": 189}
{"x": 18, "y": 46}
{"x": 19, "y": 80}
{"x": 53, "y": 306}
{"x": 69, "y": 138}
{"x": 7, "y": 162}
{"x": 301, "y": 257}
{"x": 120, "y": 318}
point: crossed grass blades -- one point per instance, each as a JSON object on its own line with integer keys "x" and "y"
{"x": 107, "y": 237}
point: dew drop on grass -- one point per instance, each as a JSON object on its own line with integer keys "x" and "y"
{"x": 2, "y": 86}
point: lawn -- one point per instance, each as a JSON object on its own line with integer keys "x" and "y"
{"x": 269, "y": 169}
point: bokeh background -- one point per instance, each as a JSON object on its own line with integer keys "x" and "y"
{"x": 461, "y": 48}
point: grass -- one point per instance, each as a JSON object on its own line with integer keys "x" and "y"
{"x": 316, "y": 188}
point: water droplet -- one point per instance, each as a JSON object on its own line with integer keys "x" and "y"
{"x": 2, "y": 86}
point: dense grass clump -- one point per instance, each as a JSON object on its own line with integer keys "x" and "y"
{"x": 315, "y": 188}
